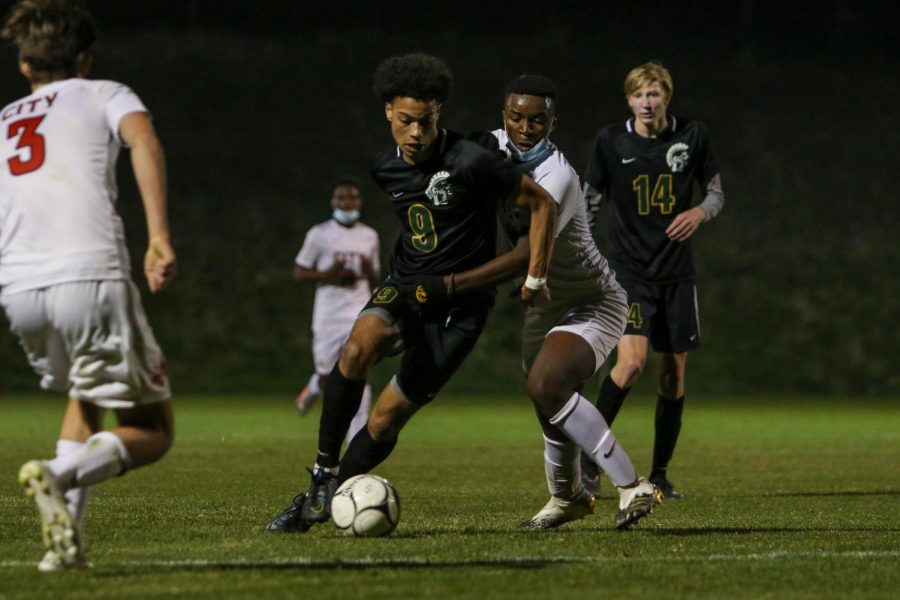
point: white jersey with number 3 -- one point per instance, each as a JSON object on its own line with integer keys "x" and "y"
{"x": 58, "y": 221}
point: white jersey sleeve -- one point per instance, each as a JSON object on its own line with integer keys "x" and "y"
{"x": 308, "y": 256}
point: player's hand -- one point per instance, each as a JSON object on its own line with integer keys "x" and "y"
{"x": 368, "y": 270}
{"x": 685, "y": 224}
{"x": 160, "y": 265}
{"x": 532, "y": 297}
{"x": 339, "y": 274}
{"x": 423, "y": 289}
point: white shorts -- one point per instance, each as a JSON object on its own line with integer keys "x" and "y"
{"x": 327, "y": 344}
{"x": 90, "y": 339}
{"x": 599, "y": 321}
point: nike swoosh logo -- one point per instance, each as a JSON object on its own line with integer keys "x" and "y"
{"x": 396, "y": 194}
{"x": 625, "y": 161}
{"x": 608, "y": 454}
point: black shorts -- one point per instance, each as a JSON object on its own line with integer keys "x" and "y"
{"x": 435, "y": 340}
{"x": 666, "y": 313}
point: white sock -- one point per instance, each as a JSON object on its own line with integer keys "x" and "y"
{"x": 76, "y": 498}
{"x": 312, "y": 385}
{"x": 102, "y": 457}
{"x": 583, "y": 424}
{"x": 362, "y": 415}
{"x": 562, "y": 466}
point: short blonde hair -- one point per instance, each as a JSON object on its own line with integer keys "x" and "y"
{"x": 646, "y": 74}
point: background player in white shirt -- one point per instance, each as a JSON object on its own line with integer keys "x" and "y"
{"x": 340, "y": 256}
{"x": 65, "y": 270}
{"x": 566, "y": 339}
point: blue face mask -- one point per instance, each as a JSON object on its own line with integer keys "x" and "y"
{"x": 528, "y": 155}
{"x": 345, "y": 217}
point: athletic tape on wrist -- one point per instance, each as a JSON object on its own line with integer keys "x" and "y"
{"x": 535, "y": 283}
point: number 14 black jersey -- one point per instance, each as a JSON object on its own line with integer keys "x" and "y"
{"x": 447, "y": 205}
{"x": 648, "y": 181}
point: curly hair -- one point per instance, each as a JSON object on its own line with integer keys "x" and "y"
{"x": 50, "y": 34}
{"x": 418, "y": 76}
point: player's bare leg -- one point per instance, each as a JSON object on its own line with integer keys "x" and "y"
{"x": 669, "y": 407}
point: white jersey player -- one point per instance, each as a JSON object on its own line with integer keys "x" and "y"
{"x": 341, "y": 256}
{"x": 64, "y": 268}
{"x": 567, "y": 338}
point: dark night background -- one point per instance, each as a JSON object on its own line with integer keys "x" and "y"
{"x": 260, "y": 105}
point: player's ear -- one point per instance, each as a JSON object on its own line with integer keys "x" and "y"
{"x": 388, "y": 111}
{"x": 25, "y": 69}
{"x": 83, "y": 64}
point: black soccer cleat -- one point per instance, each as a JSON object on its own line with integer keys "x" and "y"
{"x": 317, "y": 503}
{"x": 290, "y": 520}
{"x": 665, "y": 486}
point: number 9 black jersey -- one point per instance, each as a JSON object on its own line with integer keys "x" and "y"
{"x": 648, "y": 181}
{"x": 447, "y": 206}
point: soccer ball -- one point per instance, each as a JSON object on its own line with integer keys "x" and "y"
{"x": 366, "y": 506}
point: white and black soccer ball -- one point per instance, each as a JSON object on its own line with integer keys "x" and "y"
{"x": 366, "y": 506}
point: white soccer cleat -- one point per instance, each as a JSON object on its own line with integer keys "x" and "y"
{"x": 58, "y": 529}
{"x": 558, "y": 511}
{"x": 305, "y": 401}
{"x": 52, "y": 562}
{"x": 636, "y": 502}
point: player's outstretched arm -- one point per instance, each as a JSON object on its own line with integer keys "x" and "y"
{"x": 541, "y": 235}
{"x": 148, "y": 163}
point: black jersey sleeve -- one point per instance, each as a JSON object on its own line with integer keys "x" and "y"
{"x": 595, "y": 174}
{"x": 708, "y": 166}
{"x": 491, "y": 172}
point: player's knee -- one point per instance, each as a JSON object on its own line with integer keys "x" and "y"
{"x": 548, "y": 394}
{"x": 384, "y": 427}
{"x": 356, "y": 360}
{"x": 629, "y": 369}
{"x": 671, "y": 385}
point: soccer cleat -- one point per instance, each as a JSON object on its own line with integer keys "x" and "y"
{"x": 665, "y": 486}
{"x": 52, "y": 562}
{"x": 317, "y": 505}
{"x": 305, "y": 401}
{"x": 290, "y": 520}
{"x": 308, "y": 508}
{"x": 558, "y": 511}
{"x": 636, "y": 502}
{"x": 58, "y": 529}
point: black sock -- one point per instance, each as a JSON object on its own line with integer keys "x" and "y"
{"x": 668, "y": 426}
{"x": 340, "y": 402}
{"x": 363, "y": 454}
{"x": 611, "y": 399}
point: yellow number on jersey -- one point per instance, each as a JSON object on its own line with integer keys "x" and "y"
{"x": 424, "y": 238}
{"x": 661, "y": 196}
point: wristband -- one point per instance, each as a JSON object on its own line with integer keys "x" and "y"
{"x": 535, "y": 283}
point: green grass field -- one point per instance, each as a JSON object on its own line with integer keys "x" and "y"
{"x": 786, "y": 497}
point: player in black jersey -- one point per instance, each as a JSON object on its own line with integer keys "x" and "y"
{"x": 647, "y": 167}
{"x": 445, "y": 190}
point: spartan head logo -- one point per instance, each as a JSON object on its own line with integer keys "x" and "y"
{"x": 677, "y": 157}
{"x": 439, "y": 190}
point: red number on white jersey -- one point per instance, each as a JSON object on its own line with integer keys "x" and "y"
{"x": 29, "y": 138}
